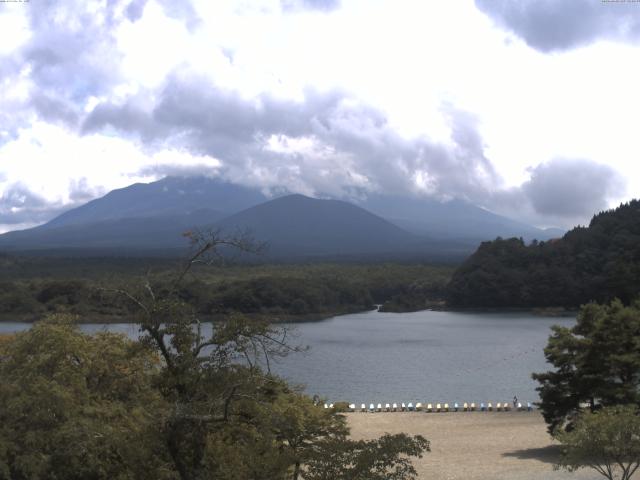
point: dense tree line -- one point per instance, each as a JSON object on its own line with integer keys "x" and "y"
{"x": 595, "y": 263}
{"x": 273, "y": 291}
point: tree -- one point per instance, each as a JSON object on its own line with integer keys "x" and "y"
{"x": 596, "y": 362}
{"x": 598, "y": 263}
{"x": 386, "y": 458}
{"x": 76, "y": 406}
{"x": 304, "y": 427}
{"x": 607, "y": 441}
{"x": 213, "y": 380}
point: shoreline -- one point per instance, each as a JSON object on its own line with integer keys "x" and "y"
{"x": 304, "y": 318}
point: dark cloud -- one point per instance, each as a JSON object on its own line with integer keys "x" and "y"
{"x": 81, "y": 192}
{"x": 54, "y": 110}
{"x": 298, "y": 5}
{"x": 572, "y": 187}
{"x": 70, "y": 56}
{"x": 327, "y": 143}
{"x": 72, "y": 52}
{"x": 549, "y": 25}
{"x": 562, "y": 193}
{"x": 135, "y": 10}
{"x": 19, "y": 205}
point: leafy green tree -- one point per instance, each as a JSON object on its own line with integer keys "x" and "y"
{"x": 76, "y": 406}
{"x": 304, "y": 427}
{"x": 607, "y": 441}
{"x": 596, "y": 362}
{"x": 386, "y": 458}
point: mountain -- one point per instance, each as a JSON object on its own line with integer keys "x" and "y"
{"x": 171, "y": 196}
{"x": 455, "y": 219}
{"x": 147, "y": 217}
{"x": 597, "y": 263}
{"x": 142, "y": 217}
{"x": 296, "y": 225}
{"x": 293, "y": 226}
{"x": 137, "y": 234}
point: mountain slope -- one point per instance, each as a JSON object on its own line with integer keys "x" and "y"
{"x": 145, "y": 233}
{"x": 154, "y": 215}
{"x": 455, "y": 219}
{"x": 166, "y": 197}
{"x": 298, "y": 225}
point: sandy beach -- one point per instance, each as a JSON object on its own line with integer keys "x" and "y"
{"x": 474, "y": 445}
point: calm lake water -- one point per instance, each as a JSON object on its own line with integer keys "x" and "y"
{"x": 423, "y": 356}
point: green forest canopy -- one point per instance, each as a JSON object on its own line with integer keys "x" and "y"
{"x": 595, "y": 263}
{"x": 33, "y": 287}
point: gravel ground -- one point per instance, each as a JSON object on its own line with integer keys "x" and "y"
{"x": 474, "y": 445}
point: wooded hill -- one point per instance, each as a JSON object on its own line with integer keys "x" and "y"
{"x": 599, "y": 262}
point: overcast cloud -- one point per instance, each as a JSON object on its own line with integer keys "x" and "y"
{"x": 549, "y": 25}
{"x": 323, "y": 144}
{"x": 321, "y": 97}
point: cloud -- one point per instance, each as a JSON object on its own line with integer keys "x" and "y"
{"x": 298, "y": 5}
{"x": 81, "y": 192}
{"x": 552, "y": 25}
{"x": 328, "y": 144}
{"x": 177, "y": 170}
{"x": 572, "y": 187}
{"x": 73, "y": 73}
{"x": 19, "y": 205}
{"x": 69, "y": 57}
{"x": 562, "y": 192}
{"x": 53, "y": 110}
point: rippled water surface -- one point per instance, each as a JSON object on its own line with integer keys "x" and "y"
{"x": 408, "y": 357}
{"x": 422, "y": 356}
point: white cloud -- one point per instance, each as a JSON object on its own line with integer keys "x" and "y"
{"x": 57, "y": 165}
{"x": 14, "y": 27}
{"x": 404, "y": 64}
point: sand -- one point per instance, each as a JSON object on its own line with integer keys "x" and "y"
{"x": 474, "y": 445}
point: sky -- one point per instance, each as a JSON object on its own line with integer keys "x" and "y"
{"x": 526, "y": 108}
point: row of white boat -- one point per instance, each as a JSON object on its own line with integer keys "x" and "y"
{"x": 439, "y": 407}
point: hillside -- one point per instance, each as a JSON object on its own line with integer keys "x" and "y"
{"x": 168, "y": 197}
{"x": 139, "y": 233}
{"x": 598, "y": 262}
{"x": 455, "y": 219}
{"x": 296, "y": 225}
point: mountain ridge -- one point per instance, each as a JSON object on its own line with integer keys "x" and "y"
{"x": 154, "y": 215}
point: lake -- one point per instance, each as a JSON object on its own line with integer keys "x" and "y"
{"x": 425, "y": 356}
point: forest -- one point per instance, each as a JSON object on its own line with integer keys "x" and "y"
{"x": 595, "y": 263}
{"x": 32, "y": 287}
